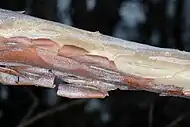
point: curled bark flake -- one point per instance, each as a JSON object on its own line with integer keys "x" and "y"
{"x": 46, "y": 44}
{"x": 96, "y": 61}
{"x": 21, "y": 40}
{"x": 8, "y": 79}
{"x": 37, "y": 76}
{"x": 26, "y": 56}
{"x": 9, "y": 71}
{"x": 63, "y": 63}
{"x": 70, "y": 91}
{"x": 38, "y": 80}
{"x": 91, "y": 83}
{"x": 71, "y": 50}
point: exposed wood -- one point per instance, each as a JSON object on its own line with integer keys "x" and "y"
{"x": 34, "y": 51}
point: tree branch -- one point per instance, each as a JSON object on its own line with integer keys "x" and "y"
{"x": 34, "y": 51}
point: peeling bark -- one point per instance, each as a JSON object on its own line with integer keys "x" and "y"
{"x": 34, "y": 51}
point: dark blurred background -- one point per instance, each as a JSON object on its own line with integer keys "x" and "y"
{"x": 162, "y": 23}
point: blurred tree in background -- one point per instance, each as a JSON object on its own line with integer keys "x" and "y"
{"x": 162, "y": 23}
